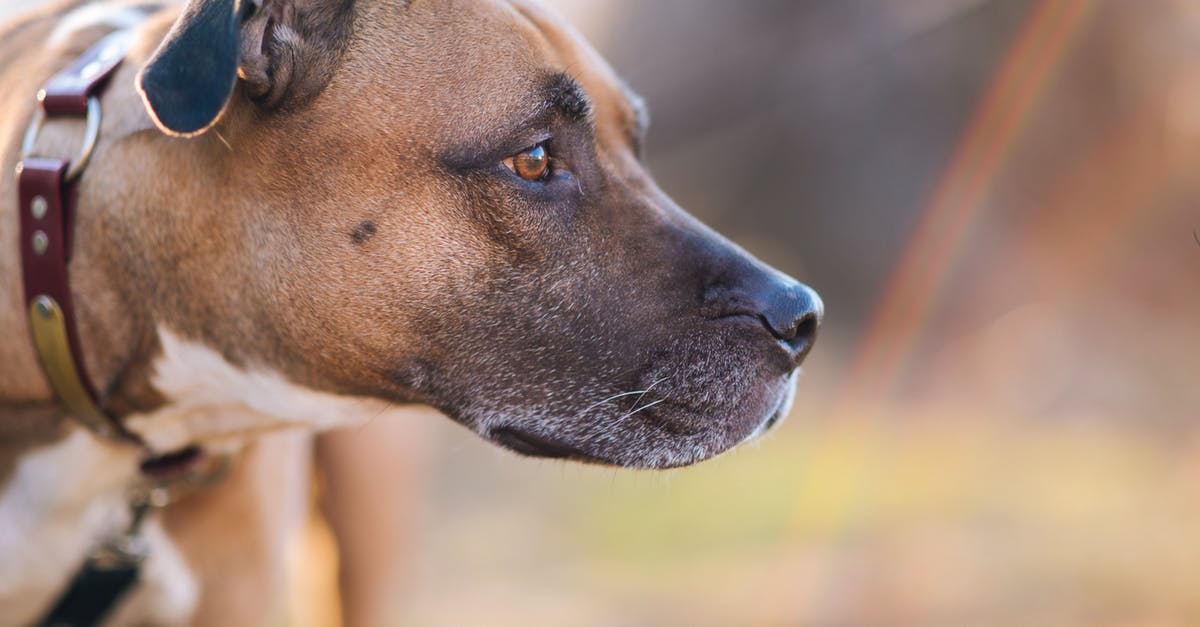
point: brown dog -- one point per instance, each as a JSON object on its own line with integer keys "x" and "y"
{"x": 303, "y": 213}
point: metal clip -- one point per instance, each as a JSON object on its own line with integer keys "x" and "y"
{"x": 130, "y": 548}
{"x": 90, "y": 135}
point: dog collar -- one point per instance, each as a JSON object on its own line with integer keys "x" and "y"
{"x": 46, "y": 190}
{"x": 47, "y": 193}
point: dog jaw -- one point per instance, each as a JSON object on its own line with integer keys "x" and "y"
{"x": 644, "y": 428}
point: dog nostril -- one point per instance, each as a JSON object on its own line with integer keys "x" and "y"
{"x": 799, "y": 335}
{"x": 804, "y": 334}
{"x": 793, "y": 315}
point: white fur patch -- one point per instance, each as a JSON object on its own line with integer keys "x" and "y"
{"x": 211, "y": 401}
{"x": 61, "y": 501}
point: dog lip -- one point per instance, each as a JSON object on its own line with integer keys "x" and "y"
{"x": 534, "y": 445}
{"x": 774, "y": 418}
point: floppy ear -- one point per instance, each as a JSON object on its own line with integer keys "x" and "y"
{"x": 189, "y": 79}
{"x": 282, "y": 50}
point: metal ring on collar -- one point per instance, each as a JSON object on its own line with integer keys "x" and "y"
{"x": 91, "y": 133}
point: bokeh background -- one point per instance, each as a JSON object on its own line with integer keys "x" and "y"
{"x": 998, "y": 200}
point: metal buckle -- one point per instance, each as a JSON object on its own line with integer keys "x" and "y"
{"x": 90, "y": 135}
{"x": 54, "y": 350}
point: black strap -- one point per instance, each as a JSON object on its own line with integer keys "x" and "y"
{"x": 92, "y": 595}
{"x": 106, "y": 576}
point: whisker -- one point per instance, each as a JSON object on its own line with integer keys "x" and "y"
{"x": 388, "y": 406}
{"x": 613, "y": 398}
{"x": 652, "y": 386}
{"x": 642, "y": 408}
{"x": 640, "y": 395}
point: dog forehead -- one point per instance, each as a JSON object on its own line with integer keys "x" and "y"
{"x": 611, "y": 98}
{"x": 444, "y": 68}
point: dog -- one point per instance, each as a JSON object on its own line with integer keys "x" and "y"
{"x": 303, "y": 213}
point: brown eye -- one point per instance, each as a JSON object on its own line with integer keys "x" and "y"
{"x": 531, "y": 165}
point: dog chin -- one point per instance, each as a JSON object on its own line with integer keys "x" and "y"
{"x": 639, "y": 447}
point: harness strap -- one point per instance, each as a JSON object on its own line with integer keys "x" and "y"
{"x": 46, "y": 188}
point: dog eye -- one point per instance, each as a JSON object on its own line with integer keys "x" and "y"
{"x": 531, "y": 165}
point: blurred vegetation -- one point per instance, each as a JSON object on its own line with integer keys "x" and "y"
{"x": 859, "y": 520}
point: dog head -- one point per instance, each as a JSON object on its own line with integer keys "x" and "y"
{"x": 443, "y": 201}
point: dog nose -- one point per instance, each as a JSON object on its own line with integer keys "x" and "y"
{"x": 787, "y": 309}
{"x": 791, "y": 311}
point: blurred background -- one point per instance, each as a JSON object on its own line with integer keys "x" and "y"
{"x": 998, "y": 200}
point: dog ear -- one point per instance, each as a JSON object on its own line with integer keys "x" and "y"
{"x": 290, "y": 49}
{"x": 282, "y": 50}
{"x": 188, "y": 81}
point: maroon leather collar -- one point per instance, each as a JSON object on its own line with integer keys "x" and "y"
{"x": 46, "y": 190}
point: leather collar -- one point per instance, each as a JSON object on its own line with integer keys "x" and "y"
{"x": 47, "y": 193}
{"x": 46, "y": 189}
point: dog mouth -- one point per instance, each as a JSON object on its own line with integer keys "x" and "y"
{"x": 534, "y": 445}
{"x": 665, "y": 445}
